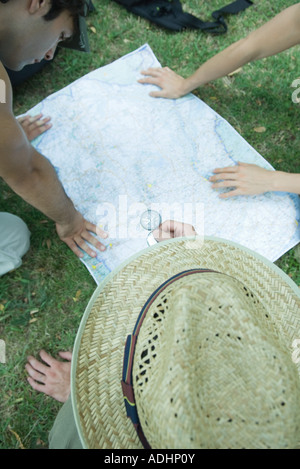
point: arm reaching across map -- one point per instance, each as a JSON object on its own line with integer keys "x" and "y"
{"x": 113, "y": 194}
{"x": 33, "y": 178}
{"x": 277, "y": 35}
{"x": 250, "y": 179}
{"x": 28, "y": 173}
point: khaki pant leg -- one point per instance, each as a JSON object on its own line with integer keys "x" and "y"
{"x": 14, "y": 242}
{"x": 63, "y": 434}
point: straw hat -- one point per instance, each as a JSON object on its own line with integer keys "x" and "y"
{"x": 212, "y": 366}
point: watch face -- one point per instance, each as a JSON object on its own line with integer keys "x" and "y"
{"x": 150, "y": 220}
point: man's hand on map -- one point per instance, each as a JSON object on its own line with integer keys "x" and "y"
{"x": 244, "y": 179}
{"x": 76, "y": 234}
{"x": 34, "y": 126}
{"x": 173, "y": 229}
{"x": 171, "y": 84}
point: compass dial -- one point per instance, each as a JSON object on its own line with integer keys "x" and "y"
{"x": 150, "y": 220}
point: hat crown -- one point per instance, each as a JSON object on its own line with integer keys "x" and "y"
{"x": 210, "y": 370}
{"x": 111, "y": 316}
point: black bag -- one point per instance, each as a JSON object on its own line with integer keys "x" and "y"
{"x": 170, "y": 15}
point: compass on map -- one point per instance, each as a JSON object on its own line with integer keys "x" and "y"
{"x": 150, "y": 220}
{"x": 170, "y": 148}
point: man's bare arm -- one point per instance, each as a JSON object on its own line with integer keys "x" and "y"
{"x": 32, "y": 176}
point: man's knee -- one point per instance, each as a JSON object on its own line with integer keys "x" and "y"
{"x": 14, "y": 241}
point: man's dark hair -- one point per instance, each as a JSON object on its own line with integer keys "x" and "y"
{"x": 75, "y": 7}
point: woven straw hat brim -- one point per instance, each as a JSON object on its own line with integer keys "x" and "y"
{"x": 111, "y": 314}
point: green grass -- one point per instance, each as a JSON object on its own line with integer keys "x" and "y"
{"x": 260, "y": 95}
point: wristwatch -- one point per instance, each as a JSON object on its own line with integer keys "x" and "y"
{"x": 151, "y": 240}
{"x": 150, "y": 220}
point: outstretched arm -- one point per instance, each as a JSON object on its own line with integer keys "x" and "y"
{"x": 33, "y": 178}
{"x": 277, "y": 35}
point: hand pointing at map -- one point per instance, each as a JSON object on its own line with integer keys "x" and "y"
{"x": 243, "y": 179}
{"x": 34, "y": 126}
{"x": 250, "y": 179}
{"x": 173, "y": 229}
{"x": 171, "y": 84}
{"x": 78, "y": 233}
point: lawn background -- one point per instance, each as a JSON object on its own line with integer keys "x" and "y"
{"x": 42, "y": 302}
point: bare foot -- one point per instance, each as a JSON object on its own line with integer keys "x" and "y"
{"x": 51, "y": 377}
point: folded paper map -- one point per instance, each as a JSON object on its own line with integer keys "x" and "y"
{"x": 119, "y": 152}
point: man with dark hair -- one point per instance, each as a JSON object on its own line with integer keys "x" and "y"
{"x": 26, "y": 37}
{"x": 75, "y": 7}
{"x": 19, "y": 77}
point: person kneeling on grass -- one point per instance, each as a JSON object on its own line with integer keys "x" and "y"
{"x": 29, "y": 32}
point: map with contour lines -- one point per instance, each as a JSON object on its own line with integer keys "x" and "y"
{"x": 119, "y": 152}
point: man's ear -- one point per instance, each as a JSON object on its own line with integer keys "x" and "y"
{"x": 39, "y": 6}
